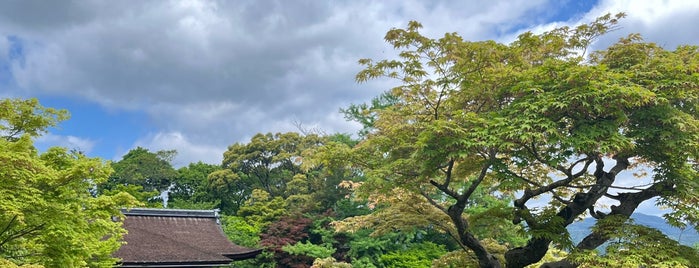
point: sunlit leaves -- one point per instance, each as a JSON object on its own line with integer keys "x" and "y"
{"x": 48, "y": 212}
{"x": 405, "y": 211}
{"x": 531, "y": 118}
{"x": 635, "y": 245}
{"x": 27, "y": 116}
{"x": 151, "y": 171}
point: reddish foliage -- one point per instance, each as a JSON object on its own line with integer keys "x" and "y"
{"x": 287, "y": 231}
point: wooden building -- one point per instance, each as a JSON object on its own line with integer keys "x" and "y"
{"x": 177, "y": 238}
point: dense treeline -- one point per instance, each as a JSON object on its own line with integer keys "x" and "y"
{"x": 442, "y": 174}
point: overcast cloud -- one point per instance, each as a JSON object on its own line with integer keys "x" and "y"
{"x": 211, "y": 73}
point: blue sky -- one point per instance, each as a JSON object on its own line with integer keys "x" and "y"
{"x": 197, "y": 76}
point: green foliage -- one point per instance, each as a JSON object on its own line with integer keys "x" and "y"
{"x": 137, "y": 192}
{"x": 472, "y": 123}
{"x": 240, "y": 231}
{"x": 263, "y": 260}
{"x": 346, "y": 208}
{"x": 488, "y": 217}
{"x": 366, "y": 115}
{"x": 309, "y": 249}
{"x": 417, "y": 255}
{"x": 191, "y": 189}
{"x": 8, "y": 264}
{"x": 461, "y": 258}
{"x": 636, "y": 245}
{"x": 20, "y": 116}
{"x": 230, "y": 190}
{"x": 330, "y": 262}
{"x": 262, "y": 209}
{"x": 269, "y": 161}
{"x": 140, "y": 167}
{"x": 367, "y": 249}
{"x": 48, "y": 213}
{"x": 552, "y": 255}
{"x": 282, "y": 165}
{"x": 454, "y": 259}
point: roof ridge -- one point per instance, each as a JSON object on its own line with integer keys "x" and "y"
{"x": 166, "y": 212}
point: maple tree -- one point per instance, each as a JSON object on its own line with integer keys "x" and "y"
{"x": 539, "y": 117}
{"x": 49, "y": 215}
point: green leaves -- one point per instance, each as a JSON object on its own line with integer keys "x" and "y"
{"x": 152, "y": 171}
{"x": 636, "y": 245}
{"x": 418, "y": 255}
{"x": 48, "y": 214}
{"x": 523, "y": 120}
{"x": 310, "y": 250}
{"x": 19, "y": 117}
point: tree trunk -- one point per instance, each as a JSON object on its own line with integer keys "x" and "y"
{"x": 531, "y": 253}
{"x": 485, "y": 259}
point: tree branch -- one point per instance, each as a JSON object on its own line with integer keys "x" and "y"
{"x": 628, "y": 204}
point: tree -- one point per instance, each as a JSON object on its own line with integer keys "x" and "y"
{"x": 636, "y": 245}
{"x": 282, "y": 165}
{"x": 417, "y": 255}
{"x": 269, "y": 161}
{"x": 276, "y": 182}
{"x": 142, "y": 173}
{"x": 534, "y": 118}
{"x": 191, "y": 188}
{"x": 288, "y": 230}
{"x": 48, "y": 214}
{"x": 19, "y": 117}
{"x": 366, "y": 114}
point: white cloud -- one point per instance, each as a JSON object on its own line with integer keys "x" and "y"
{"x": 209, "y": 74}
{"x": 187, "y": 152}
{"x": 70, "y": 142}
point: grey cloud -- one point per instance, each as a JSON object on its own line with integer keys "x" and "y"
{"x": 216, "y": 72}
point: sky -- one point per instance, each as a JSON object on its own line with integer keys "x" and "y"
{"x": 198, "y": 76}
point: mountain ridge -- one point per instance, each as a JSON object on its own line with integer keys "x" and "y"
{"x": 687, "y": 236}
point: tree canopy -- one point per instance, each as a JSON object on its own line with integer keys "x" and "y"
{"x": 48, "y": 213}
{"x": 143, "y": 174}
{"x": 539, "y": 117}
{"x": 27, "y": 116}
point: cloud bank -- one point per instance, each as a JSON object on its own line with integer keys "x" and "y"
{"x": 211, "y": 73}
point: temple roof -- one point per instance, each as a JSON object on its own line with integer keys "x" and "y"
{"x": 177, "y": 238}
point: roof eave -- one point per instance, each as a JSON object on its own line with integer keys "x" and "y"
{"x": 243, "y": 256}
{"x": 176, "y": 264}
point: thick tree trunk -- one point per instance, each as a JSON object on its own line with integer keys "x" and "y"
{"x": 531, "y": 253}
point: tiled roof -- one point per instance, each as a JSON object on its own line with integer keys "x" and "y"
{"x": 177, "y": 238}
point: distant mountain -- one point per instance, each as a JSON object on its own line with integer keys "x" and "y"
{"x": 688, "y": 236}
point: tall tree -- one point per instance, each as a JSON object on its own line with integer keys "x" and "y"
{"x": 191, "y": 188}
{"x": 535, "y": 118}
{"x": 48, "y": 214}
{"x": 142, "y": 173}
{"x": 269, "y": 161}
